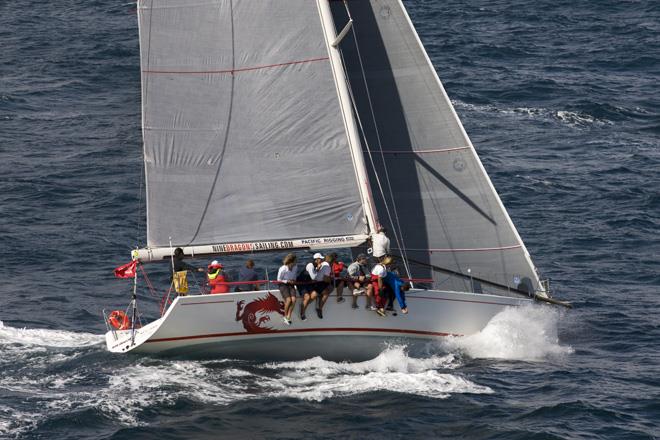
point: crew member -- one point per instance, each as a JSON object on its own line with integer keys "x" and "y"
{"x": 247, "y": 273}
{"x": 358, "y": 274}
{"x": 399, "y": 288}
{"x": 323, "y": 280}
{"x": 286, "y": 277}
{"x": 381, "y": 290}
{"x": 179, "y": 275}
{"x": 380, "y": 244}
{"x": 306, "y": 285}
{"x": 216, "y": 278}
{"x": 180, "y": 265}
{"x": 337, "y": 279}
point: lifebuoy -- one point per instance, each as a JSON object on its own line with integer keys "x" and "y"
{"x": 119, "y": 320}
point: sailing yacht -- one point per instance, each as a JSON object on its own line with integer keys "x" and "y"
{"x": 288, "y": 125}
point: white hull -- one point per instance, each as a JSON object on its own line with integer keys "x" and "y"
{"x": 239, "y": 325}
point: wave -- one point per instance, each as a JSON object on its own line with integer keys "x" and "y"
{"x": 571, "y": 118}
{"x": 526, "y": 333}
{"x": 146, "y": 385}
{"x": 393, "y": 370}
{"x": 46, "y": 337}
{"x": 125, "y": 394}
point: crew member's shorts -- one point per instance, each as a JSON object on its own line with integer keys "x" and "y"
{"x": 287, "y": 290}
{"x": 305, "y": 288}
{"x": 321, "y": 286}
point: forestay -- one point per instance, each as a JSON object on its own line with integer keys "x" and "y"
{"x": 442, "y": 205}
{"x": 243, "y": 134}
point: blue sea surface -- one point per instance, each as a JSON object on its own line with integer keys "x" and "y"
{"x": 560, "y": 98}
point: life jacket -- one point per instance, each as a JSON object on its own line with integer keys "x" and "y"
{"x": 337, "y": 268}
{"x": 180, "y": 281}
{"x": 217, "y": 282}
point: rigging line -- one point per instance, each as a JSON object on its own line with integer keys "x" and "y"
{"x": 366, "y": 142}
{"x": 380, "y": 145}
{"x": 436, "y": 268}
{"x": 228, "y": 125}
{"x": 534, "y": 295}
{"x": 398, "y": 234}
{"x": 380, "y": 186}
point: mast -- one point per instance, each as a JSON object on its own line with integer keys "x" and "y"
{"x": 328, "y": 25}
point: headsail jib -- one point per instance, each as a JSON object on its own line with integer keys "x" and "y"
{"x": 424, "y": 170}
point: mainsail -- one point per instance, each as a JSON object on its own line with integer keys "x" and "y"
{"x": 244, "y": 138}
{"x": 429, "y": 185}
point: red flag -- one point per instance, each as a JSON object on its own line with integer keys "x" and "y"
{"x": 127, "y": 270}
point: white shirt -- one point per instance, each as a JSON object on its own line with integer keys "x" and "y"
{"x": 286, "y": 274}
{"x": 324, "y": 271}
{"x": 311, "y": 270}
{"x": 380, "y": 244}
{"x": 379, "y": 270}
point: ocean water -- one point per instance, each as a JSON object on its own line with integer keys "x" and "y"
{"x": 562, "y": 101}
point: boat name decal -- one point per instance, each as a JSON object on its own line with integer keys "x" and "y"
{"x": 324, "y": 240}
{"x": 276, "y": 245}
{"x": 254, "y": 246}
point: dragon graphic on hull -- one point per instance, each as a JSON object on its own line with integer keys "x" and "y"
{"x": 248, "y": 313}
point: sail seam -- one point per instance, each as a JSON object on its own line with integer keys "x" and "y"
{"x": 232, "y": 71}
{"x": 485, "y": 249}
{"x": 443, "y": 150}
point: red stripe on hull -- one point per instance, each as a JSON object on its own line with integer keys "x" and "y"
{"x": 209, "y": 302}
{"x": 457, "y": 300}
{"x": 312, "y": 330}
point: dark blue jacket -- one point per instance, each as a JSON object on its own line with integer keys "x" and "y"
{"x": 395, "y": 283}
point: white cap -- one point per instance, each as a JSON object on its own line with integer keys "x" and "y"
{"x": 318, "y": 255}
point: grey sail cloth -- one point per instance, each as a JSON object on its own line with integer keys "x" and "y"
{"x": 243, "y": 134}
{"x": 449, "y": 215}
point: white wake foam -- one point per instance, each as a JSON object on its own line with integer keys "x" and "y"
{"x": 517, "y": 333}
{"x": 14, "y": 424}
{"x": 46, "y": 338}
{"x": 140, "y": 386}
{"x": 393, "y": 370}
{"x": 25, "y": 356}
